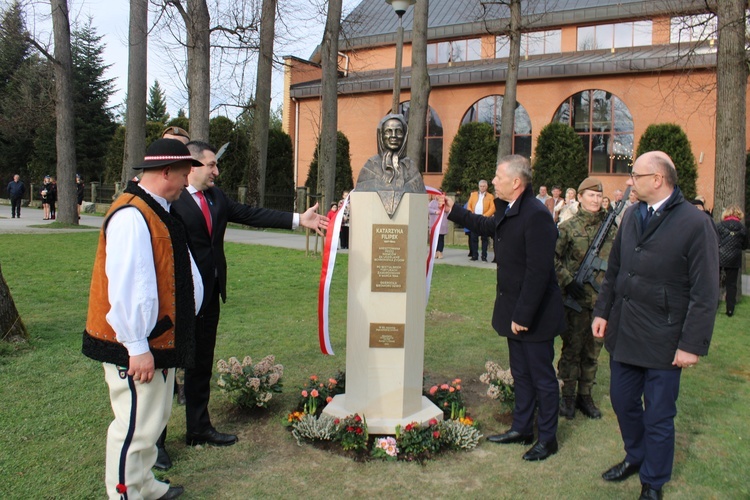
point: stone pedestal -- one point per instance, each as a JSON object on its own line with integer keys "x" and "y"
{"x": 386, "y": 315}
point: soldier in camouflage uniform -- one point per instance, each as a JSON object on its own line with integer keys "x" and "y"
{"x": 580, "y": 350}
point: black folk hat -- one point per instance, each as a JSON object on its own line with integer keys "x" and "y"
{"x": 163, "y": 152}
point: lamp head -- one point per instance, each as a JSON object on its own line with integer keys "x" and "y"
{"x": 400, "y": 6}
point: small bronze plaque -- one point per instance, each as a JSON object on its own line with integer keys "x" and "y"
{"x": 386, "y": 335}
{"x": 389, "y": 246}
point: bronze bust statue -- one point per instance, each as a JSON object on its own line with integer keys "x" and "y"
{"x": 390, "y": 173}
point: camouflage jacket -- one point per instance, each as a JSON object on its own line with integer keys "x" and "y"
{"x": 576, "y": 235}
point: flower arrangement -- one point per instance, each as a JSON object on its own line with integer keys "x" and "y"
{"x": 322, "y": 428}
{"x": 500, "y": 383}
{"x": 417, "y": 442}
{"x": 385, "y": 448}
{"x": 352, "y": 432}
{"x": 447, "y": 397}
{"x": 250, "y": 385}
{"x": 317, "y": 393}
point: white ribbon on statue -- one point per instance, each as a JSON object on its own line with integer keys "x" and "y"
{"x": 330, "y": 249}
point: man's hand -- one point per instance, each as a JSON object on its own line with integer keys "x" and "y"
{"x": 142, "y": 367}
{"x": 311, "y": 219}
{"x": 683, "y": 359}
{"x": 599, "y": 327}
{"x": 443, "y": 201}
{"x": 516, "y": 328}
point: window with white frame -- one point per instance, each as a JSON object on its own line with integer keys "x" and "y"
{"x": 454, "y": 51}
{"x": 615, "y": 36}
{"x": 534, "y": 43}
{"x": 697, "y": 28}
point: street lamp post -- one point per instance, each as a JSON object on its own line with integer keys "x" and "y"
{"x": 400, "y": 7}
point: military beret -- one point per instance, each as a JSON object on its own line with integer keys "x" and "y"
{"x": 591, "y": 183}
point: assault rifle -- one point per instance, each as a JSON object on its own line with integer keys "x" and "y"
{"x": 591, "y": 261}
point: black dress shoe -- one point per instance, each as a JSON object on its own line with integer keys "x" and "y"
{"x": 211, "y": 436}
{"x": 473, "y": 258}
{"x": 541, "y": 450}
{"x": 648, "y": 493}
{"x": 172, "y": 492}
{"x": 511, "y": 437}
{"x": 163, "y": 462}
{"x": 484, "y": 259}
{"x": 621, "y": 471}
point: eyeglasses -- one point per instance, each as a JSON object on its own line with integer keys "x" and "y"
{"x": 635, "y": 177}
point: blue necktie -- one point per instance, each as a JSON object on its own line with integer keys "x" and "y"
{"x": 647, "y": 217}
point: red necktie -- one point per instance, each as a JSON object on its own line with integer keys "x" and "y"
{"x": 204, "y": 209}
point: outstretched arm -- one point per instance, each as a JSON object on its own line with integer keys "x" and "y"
{"x": 313, "y": 220}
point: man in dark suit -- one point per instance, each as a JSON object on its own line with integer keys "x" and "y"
{"x": 528, "y": 307}
{"x": 205, "y": 211}
{"x": 655, "y": 311}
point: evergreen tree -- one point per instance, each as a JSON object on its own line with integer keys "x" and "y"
{"x": 14, "y": 44}
{"x": 559, "y": 157}
{"x": 156, "y": 108}
{"x": 280, "y": 171}
{"x": 671, "y": 139}
{"x": 472, "y": 158}
{"x": 95, "y": 124}
{"x": 344, "y": 174}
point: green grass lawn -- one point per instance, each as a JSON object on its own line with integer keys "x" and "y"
{"x": 54, "y": 408}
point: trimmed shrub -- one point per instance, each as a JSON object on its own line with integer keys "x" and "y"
{"x": 344, "y": 174}
{"x": 473, "y": 157}
{"x": 559, "y": 158}
{"x": 671, "y": 139}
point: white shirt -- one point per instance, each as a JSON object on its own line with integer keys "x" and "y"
{"x": 656, "y": 206}
{"x": 193, "y": 191}
{"x": 131, "y": 273}
{"x": 479, "y": 207}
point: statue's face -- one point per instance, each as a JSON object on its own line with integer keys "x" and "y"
{"x": 393, "y": 134}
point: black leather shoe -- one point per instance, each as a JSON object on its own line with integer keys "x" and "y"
{"x": 511, "y": 437}
{"x": 585, "y": 403}
{"x": 621, "y": 471}
{"x": 211, "y": 436}
{"x": 541, "y": 450}
{"x": 484, "y": 259}
{"x": 648, "y": 493}
{"x": 163, "y": 462}
{"x": 172, "y": 492}
{"x": 473, "y": 258}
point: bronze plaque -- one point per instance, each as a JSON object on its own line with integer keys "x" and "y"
{"x": 389, "y": 257}
{"x": 386, "y": 335}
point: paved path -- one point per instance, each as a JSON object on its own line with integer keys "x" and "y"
{"x": 291, "y": 239}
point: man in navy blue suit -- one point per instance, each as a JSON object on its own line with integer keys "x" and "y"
{"x": 656, "y": 311}
{"x": 528, "y": 306}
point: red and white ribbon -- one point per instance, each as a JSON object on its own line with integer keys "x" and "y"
{"x": 330, "y": 249}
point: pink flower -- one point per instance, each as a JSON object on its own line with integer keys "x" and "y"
{"x": 304, "y": 394}
{"x": 433, "y": 390}
{"x": 457, "y": 381}
{"x": 452, "y": 389}
{"x": 408, "y": 427}
{"x": 314, "y": 378}
{"x": 436, "y": 435}
{"x": 444, "y": 387}
{"x": 314, "y": 393}
{"x": 329, "y": 399}
{"x": 332, "y": 381}
{"x": 433, "y": 421}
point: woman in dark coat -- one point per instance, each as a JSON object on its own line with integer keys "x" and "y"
{"x": 732, "y": 240}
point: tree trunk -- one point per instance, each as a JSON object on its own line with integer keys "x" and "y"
{"x": 508, "y": 112}
{"x": 329, "y": 103}
{"x": 199, "y": 69}
{"x": 420, "y": 87}
{"x": 65, "y": 137}
{"x": 731, "y": 86}
{"x": 263, "y": 94}
{"x": 135, "y": 131}
{"x": 11, "y": 324}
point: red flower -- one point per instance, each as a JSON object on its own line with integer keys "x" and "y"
{"x": 121, "y": 488}
{"x": 336, "y": 421}
{"x": 357, "y": 418}
{"x": 436, "y": 434}
{"x": 408, "y": 427}
{"x": 349, "y": 428}
{"x": 433, "y": 421}
{"x": 358, "y": 430}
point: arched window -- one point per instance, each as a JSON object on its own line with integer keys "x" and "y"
{"x": 605, "y": 125}
{"x": 433, "y": 163}
{"x": 489, "y": 110}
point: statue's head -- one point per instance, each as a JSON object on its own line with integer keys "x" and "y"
{"x": 392, "y": 131}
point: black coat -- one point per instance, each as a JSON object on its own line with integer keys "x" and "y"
{"x": 208, "y": 251}
{"x": 661, "y": 288}
{"x": 527, "y": 291}
{"x": 732, "y": 240}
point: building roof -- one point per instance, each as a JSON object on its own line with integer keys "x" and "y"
{"x": 653, "y": 59}
{"x": 373, "y": 22}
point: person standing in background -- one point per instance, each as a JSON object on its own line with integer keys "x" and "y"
{"x": 480, "y": 203}
{"x": 732, "y": 241}
{"x": 16, "y": 190}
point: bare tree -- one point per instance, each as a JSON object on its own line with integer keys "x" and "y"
{"x": 135, "y": 132}
{"x": 731, "y": 87}
{"x": 65, "y": 135}
{"x": 420, "y": 87}
{"x": 329, "y": 104}
{"x": 508, "y": 112}
{"x": 263, "y": 94}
